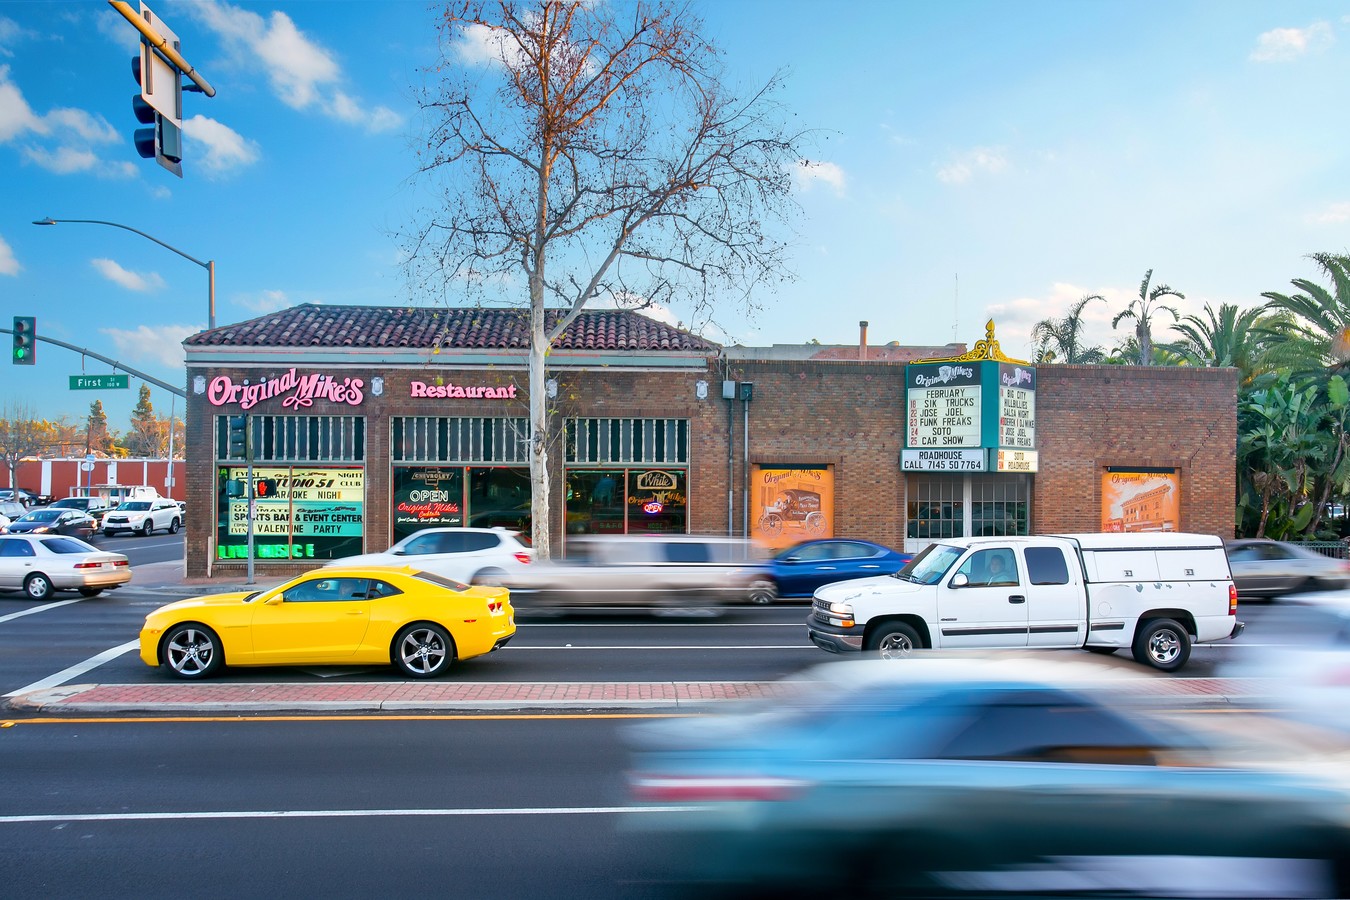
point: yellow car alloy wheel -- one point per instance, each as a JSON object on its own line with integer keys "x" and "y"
{"x": 423, "y": 650}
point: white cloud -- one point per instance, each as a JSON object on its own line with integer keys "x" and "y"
{"x": 16, "y": 116}
{"x": 1286, "y": 44}
{"x": 981, "y": 160}
{"x": 72, "y": 138}
{"x": 226, "y": 149}
{"x": 161, "y": 344}
{"x": 265, "y": 301}
{"x": 1334, "y": 214}
{"x": 9, "y": 264}
{"x": 480, "y": 45}
{"x": 10, "y": 33}
{"x": 132, "y": 281}
{"x": 807, "y": 173}
{"x": 302, "y": 73}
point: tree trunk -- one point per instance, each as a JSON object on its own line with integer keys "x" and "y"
{"x": 539, "y": 497}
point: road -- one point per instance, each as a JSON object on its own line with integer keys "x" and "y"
{"x": 37, "y": 641}
{"x": 260, "y": 808}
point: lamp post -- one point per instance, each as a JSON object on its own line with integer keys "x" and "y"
{"x": 209, "y": 265}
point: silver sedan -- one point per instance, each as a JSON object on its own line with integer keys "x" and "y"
{"x": 40, "y": 565}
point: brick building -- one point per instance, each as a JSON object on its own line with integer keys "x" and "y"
{"x": 370, "y": 422}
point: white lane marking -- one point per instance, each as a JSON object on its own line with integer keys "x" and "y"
{"x": 340, "y": 813}
{"x": 667, "y": 647}
{"x": 76, "y": 670}
{"x": 533, "y": 625}
{"x": 37, "y": 609}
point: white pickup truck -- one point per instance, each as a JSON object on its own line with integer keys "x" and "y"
{"x": 1155, "y": 594}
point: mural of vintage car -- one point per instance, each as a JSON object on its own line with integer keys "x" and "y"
{"x": 795, "y": 508}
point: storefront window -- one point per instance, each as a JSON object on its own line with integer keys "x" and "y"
{"x": 595, "y": 502}
{"x": 299, "y": 512}
{"x": 500, "y": 497}
{"x": 427, "y": 497}
{"x": 627, "y": 501}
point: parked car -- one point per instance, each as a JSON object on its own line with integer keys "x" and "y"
{"x": 646, "y": 570}
{"x": 27, "y": 498}
{"x": 471, "y": 555}
{"x": 143, "y": 517}
{"x": 416, "y": 621}
{"x": 1265, "y": 568}
{"x": 799, "y": 570}
{"x": 52, "y": 521}
{"x": 91, "y": 506}
{"x": 38, "y": 565}
{"x": 969, "y": 777}
{"x": 10, "y": 510}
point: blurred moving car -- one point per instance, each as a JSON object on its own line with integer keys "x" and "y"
{"x": 41, "y": 565}
{"x": 669, "y": 571}
{"x": 1265, "y": 568}
{"x": 471, "y": 555}
{"x": 416, "y": 621}
{"x": 90, "y": 506}
{"x": 143, "y": 517}
{"x": 800, "y": 569}
{"x": 52, "y": 521}
{"x": 954, "y": 776}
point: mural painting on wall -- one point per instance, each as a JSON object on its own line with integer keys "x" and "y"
{"x": 1141, "y": 501}
{"x": 791, "y": 504}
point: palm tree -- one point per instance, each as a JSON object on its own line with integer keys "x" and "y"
{"x": 1320, "y": 325}
{"x": 1142, "y": 311}
{"x": 1056, "y": 338}
{"x": 1230, "y": 337}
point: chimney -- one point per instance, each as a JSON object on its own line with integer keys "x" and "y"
{"x": 862, "y": 341}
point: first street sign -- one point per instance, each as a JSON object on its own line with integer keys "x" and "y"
{"x": 97, "y": 382}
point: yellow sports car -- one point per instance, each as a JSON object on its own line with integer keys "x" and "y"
{"x": 419, "y": 622}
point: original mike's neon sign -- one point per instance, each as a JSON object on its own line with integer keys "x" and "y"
{"x": 299, "y": 390}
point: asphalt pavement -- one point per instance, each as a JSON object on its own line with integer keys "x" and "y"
{"x": 222, "y": 697}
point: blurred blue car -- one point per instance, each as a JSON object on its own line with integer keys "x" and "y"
{"x": 799, "y": 570}
{"x": 975, "y": 778}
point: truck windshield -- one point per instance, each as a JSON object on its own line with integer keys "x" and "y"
{"x": 931, "y": 564}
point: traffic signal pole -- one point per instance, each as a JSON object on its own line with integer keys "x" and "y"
{"x": 83, "y": 351}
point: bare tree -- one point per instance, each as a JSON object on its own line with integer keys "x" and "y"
{"x": 592, "y": 151}
{"x": 21, "y": 435}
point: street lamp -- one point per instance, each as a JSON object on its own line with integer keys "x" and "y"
{"x": 209, "y": 265}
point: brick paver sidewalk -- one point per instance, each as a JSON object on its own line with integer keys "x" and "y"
{"x": 499, "y": 695}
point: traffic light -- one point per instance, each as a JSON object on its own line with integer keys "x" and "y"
{"x": 161, "y": 89}
{"x": 25, "y": 340}
{"x": 239, "y": 442}
{"x": 264, "y": 488}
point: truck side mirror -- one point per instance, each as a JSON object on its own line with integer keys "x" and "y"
{"x": 960, "y": 579}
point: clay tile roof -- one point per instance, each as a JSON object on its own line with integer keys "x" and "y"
{"x": 422, "y": 328}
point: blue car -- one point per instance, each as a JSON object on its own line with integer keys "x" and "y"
{"x": 977, "y": 778}
{"x": 799, "y": 570}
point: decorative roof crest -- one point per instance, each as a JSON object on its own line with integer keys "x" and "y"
{"x": 984, "y": 349}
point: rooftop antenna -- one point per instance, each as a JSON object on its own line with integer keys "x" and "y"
{"x": 956, "y": 307}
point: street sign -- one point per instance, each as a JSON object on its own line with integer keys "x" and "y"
{"x": 160, "y": 81}
{"x": 98, "y": 382}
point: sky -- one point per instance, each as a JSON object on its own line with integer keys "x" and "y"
{"x": 971, "y": 160}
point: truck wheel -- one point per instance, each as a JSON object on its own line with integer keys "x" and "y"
{"x": 895, "y": 641}
{"x": 1162, "y": 644}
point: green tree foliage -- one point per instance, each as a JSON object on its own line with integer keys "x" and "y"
{"x": 1230, "y": 337}
{"x": 1317, "y": 331}
{"x": 1142, "y": 311}
{"x": 22, "y": 435}
{"x": 146, "y": 436}
{"x": 1062, "y": 340}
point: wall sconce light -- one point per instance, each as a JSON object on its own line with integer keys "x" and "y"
{"x": 199, "y": 384}
{"x": 551, "y": 388}
{"x": 377, "y": 385}
{"x": 701, "y": 390}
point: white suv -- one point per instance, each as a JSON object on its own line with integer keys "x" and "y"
{"x": 143, "y": 516}
{"x": 470, "y": 555}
